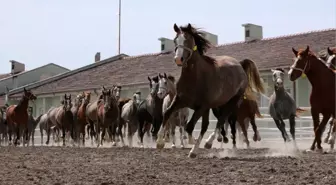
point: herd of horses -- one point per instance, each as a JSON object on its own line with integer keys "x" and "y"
{"x": 223, "y": 84}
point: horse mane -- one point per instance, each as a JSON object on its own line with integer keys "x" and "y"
{"x": 280, "y": 69}
{"x": 202, "y": 44}
{"x": 21, "y": 101}
{"x": 171, "y": 78}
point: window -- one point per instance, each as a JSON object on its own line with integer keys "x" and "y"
{"x": 162, "y": 47}
{"x": 13, "y": 66}
{"x": 247, "y": 33}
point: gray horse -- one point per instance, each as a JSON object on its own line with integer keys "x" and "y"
{"x": 129, "y": 116}
{"x": 282, "y": 106}
{"x": 46, "y": 125}
{"x": 167, "y": 92}
{"x": 3, "y": 126}
{"x": 32, "y": 123}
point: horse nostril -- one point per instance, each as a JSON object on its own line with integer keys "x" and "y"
{"x": 182, "y": 59}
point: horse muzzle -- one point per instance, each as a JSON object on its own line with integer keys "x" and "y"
{"x": 179, "y": 61}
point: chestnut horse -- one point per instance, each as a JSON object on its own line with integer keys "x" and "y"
{"x": 217, "y": 83}
{"x": 81, "y": 118}
{"x": 17, "y": 117}
{"x": 322, "y": 97}
{"x": 108, "y": 116}
{"x": 74, "y": 110}
{"x": 62, "y": 117}
{"x": 246, "y": 114}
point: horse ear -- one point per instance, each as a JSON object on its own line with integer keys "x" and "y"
{"x": 330, "y": 52}
{"x": 272, "y": 70}
{"x": 176, "y": 28}
{"x": 295, "y": 52}
{"x": 307, "y": 49}
{"x": 165, "y": 75}
{"x": 189, "y": 26}
{"x": 149, "y": 79}
{"x": 103, "y": 87}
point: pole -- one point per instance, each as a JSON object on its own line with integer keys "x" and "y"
{"x": 119, "y": 27}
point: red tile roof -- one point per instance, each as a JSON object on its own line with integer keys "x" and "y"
{"x": 267, "y": 53}
{"x": 4, "y": 75}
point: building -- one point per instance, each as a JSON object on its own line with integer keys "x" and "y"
{"x": 19, "y": 76}
{"x": 131, "y": 71}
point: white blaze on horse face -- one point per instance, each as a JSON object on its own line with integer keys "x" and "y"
{"x": 330, "y": 60}
{"x": 162, "y": 88}
{"x": 179, "y": 50}
{"x": 294, "y": 65}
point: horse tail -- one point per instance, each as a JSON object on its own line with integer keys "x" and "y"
{"x": 299, "y": 111}
{"x": 253, "y": 77}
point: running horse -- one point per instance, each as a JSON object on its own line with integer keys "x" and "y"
{"x": 217, "y": 83}
{"x": 74, "y": 110}
{"x": 322, "y": 97}
{"x": 81, "y": 118}
{"x": 17, "y": 117}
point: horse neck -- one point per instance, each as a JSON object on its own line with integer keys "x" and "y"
{"x": 23, "y": 103}
{"x": 280, "y": 92}
{"x": 318, "y": 73}
{"x": 171, "y": 90}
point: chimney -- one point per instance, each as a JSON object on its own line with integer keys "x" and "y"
{"x": 166, "y": 44}
{"x": 97, "y": 57}
{"x": 210, "y": 37}
{"x": 16, "y": 67}
{"x": 252, "y": 32}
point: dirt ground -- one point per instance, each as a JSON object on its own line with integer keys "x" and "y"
{"x": 73, "y": 165}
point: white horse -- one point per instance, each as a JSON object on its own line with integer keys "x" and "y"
{"x": 167, "y": 91}
{"x": 128, "y": 114}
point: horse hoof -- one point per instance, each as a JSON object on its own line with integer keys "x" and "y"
{"x": 173, "y": 146}
{"x": 255, "y": 138}
{"x": 192, "y": 155}
{"x": 226, "y": 140}
{"x": 160, "y": 145}
{"x": 219, "y": 139}
{"x": 326, "y": 140}
{"x": 207, "y": 145}
{"x": 114, "y": 144}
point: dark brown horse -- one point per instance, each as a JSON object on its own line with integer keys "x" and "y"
{"x": 81, "y": 117}
{"x": 246, "y": 114}
{"x": 217, "y": 83}
{"x": 322, "y": 97}
{"x": 74, "y": 110}
{"x": 108, "y": 116}
{"x": 3, "y": 126}
{"x": 17, "y": 117}
{"x": 62, "y": 117}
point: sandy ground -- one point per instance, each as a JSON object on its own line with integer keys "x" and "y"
{"x": 270, "y": 162}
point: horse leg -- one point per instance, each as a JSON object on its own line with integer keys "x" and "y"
{"x": 333, "y": 135}
{"x": 182, "y": 136}
{"x": 63, "y": 134}
{"x": 113, "y": 131}
{"x": 98, "y": 135}
{"x": 292, "y": 129}
{"x": 102, "y": 136}
{"x": 17, "y": 139}
{"x": 241, "y": 122}
{"x": 256, "y": 136}
{"x": 278, "y": 124}
{"x": 205, "y": 123}
{"x": 316, "y": 120}
{"x": 83, "y": 132}
{"x": 232, "y": 122}
{"x": 120, "y": 134}
{"x": 224, "y": 131}
{"x": 174, "y": 106}
{"x": 220, "y": 135}
{"x": 320, "y": 128}
{"x": 172, "y": 131}
{"x": 328, "y": 133}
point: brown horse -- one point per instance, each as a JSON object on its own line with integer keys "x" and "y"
{"x": 74, "y": 110}
{"x": 108, "y": 116}
{"x": 217, "y": 83}
{"x": 3, "y": 126}
{"x": 322, "y": 98}
{"x": 17, "y": 117}
{"x": 246, "y": 114}
{"x": 62, "y": 117}
{"x": 81, "y": 117}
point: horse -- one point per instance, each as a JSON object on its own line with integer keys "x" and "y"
{"x": 282, "y": 106}
{"x": 17, "y": 117}
{"x": 167, "y": 92}
{"x": 81, "y": 117}
{"x": 322, "y": 97}
{"x": 3, "y": 126}
{"x": 245, "y": 115}
{"x": 217, "y": 83}
{"x": 32, "y": 123}
{"x": 108, "y": 116}
{"x": 150, "y": 111}
{"x": 129, "y": 116}
{"x": 121, "y": 103}
{"x": 74, "y": 111}
{"x": 62, "y": 117}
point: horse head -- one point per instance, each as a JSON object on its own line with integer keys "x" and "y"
{"x": 107, "y": 98}
{"x": 28, "y": 95}
{"x": 137, "y": 97}
{"x": 153, "y": 85}
{"x": 331, "y": 59}
{"x": 166, "y": 85}
{"x": 86, "y": 98}
{"x": 66, "y": 102}
{"x": 301, "y": 63}
{"x": 30, "y": 111}
{"x": 79, "y": 98}
{"x": 188, "y": 41}
{"x": 116, "y": 91}
{"x": 278, "y": 75}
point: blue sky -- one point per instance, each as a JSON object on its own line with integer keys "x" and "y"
{"x": 70, "y": 32}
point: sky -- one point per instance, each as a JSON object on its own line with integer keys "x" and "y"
{"x": 70, "y": 32}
